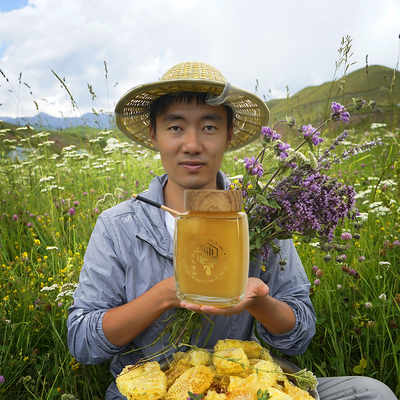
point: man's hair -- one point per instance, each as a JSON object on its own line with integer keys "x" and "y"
{"x": 163, "y": 103}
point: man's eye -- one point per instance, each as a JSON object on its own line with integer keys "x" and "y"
{"x": 174, "y": 128}
{"x": 209, "y": 128}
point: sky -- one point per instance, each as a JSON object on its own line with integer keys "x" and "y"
{"x": 116, "y": 45}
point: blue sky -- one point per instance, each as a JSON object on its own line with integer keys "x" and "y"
{"x": 285, "y": 43}
{"x": 8, "y": 5}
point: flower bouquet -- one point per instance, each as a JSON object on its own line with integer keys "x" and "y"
{"x": 294, "y": 195}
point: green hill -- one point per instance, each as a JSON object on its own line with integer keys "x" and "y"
{"x": 312, "y": 104}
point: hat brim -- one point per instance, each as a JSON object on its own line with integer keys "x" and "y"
{"x": 133, "y": 119}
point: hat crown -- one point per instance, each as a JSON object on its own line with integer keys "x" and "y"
{"x": 193, "y": 70}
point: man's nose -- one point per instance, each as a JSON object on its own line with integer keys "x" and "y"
{"x": 191, "y": 141}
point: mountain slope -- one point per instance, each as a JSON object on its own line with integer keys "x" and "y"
{"x": 310, "y": 104}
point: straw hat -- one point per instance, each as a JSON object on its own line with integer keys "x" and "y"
{"x": 250, "y": 111}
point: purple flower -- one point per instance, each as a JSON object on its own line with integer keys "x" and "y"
{"x": 37, "y": 301}
{"x": 352, "y": 271}
{"x": 249, "y": 162}
{"x": 76, "y": 203}
{"x": 265, "y": 252}
{"x": 59, "y": 304}
{"x": 282, "y": 147}
{"x": 269, "y": 134}
{"x": 71, "y": 211}
{"x": 316, "y": 139}
{"x": 314, "y": 269}
{"x": 96, "y": 210}
{"x": 396, "y": 243}
{"x": 253, "y": 166}
{"x": 84, "y": 193}
{"x": 292, "y": 165}
{"x": 31, "y": 215}
{"x": 317, "y": 282}
{"x": 346, "y": 236}
{"x": 339, "y": 113}
{"x": 2, "y": 380}
{"x": 307, "y": 130}
{"x": 29, "y": 224}
{"x": 15, "y": 217}
{"x": 361, "y": 258}
{"x": 368, "y": 305}
{"x": 318, "y": 207}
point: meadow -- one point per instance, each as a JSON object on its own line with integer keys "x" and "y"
{"x": 49, "y": 204}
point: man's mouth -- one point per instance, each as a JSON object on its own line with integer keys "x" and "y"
{"x": 192, "y": 166}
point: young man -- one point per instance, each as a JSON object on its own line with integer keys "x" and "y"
{"x": 126, "y": 288}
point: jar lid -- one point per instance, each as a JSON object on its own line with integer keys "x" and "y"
{"x": 213, "y": 200}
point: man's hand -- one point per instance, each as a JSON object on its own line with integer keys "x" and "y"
{"x": 276, "y": 316}
{"x": 256, "y": 289}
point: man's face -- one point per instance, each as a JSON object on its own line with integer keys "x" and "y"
{"x": 192, "y": 139}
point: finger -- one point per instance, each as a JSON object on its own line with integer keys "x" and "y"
{"x": 218, "y": 310}
{"x": 262, "y": 290}
{"x": 190, "y": 306}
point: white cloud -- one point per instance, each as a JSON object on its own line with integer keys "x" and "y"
{"x": 281, "y": 44}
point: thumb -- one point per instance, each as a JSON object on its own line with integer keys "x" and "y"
{"x": 262, "y": 289}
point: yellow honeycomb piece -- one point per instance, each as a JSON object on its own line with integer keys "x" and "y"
{"x": 211, "y": 395}
{"x": 199, "y": 357}
{"x": 296, "y": 392}
{"x": 176, "y": 371}
{"x": 196, "y": 380}
{"x": 225, "y": 366}
{"x": 252, "y": 349}
{"x": 267, "y": 379}
{"x": 145, "y": 381}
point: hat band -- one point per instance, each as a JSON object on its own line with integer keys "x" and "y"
{"x": 217, "y": 101}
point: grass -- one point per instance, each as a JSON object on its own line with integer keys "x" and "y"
{"x": 49, "y": 204}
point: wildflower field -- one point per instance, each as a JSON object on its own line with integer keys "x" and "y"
{"x": 50, "y": 199}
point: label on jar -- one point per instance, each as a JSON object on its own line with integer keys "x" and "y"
{"x": 204, "y": 260}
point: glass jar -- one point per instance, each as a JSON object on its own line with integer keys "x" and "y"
{"x": 211, "y": 248}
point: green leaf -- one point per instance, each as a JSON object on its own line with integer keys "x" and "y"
{"x": 271, "y": 170}
{"x": 262, "y": 200}
{"x": 284, "y": 236}
{"x": 358, "y": 369}
{"x": 246, "y": 179}
{"x": 273, "y": 204}
{"x": 363, "y": 363}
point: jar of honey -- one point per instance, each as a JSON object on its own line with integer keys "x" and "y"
{"x": 211, "y": 248}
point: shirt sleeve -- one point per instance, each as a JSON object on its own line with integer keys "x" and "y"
{"x": 100, "y": 288}
{"x": 291, "y": 286}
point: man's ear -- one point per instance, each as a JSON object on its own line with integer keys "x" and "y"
{"x": 230, "y": 136}
{"x": 153, "y": 136}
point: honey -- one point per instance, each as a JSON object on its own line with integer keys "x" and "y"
{"x": 211, "y": 250}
